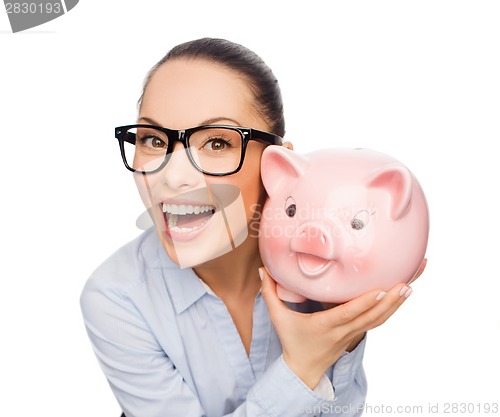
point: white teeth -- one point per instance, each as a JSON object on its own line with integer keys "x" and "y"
{"x": 185, "y": 209}
{"x": 172, "y": 225}
{"x": 184, "y": 229}
{"x": 172, "y": 221}
{"x": 175, "y": 211}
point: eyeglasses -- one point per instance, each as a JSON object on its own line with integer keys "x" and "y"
{"x": 213, "y": 150}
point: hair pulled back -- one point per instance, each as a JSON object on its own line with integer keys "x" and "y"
{"x": 262, "y": 82}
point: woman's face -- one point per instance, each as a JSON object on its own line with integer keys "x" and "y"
{"x": 200, "y": 217}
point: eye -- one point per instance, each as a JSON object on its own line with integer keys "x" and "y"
{"x": 357, "y": 224}
{"x": 157, "y": 143}
{"x": 152, "y": 142}
{"x": 360, "y": 220}
{"x": 290, "y": 207}
{"x": 216, "y": 144}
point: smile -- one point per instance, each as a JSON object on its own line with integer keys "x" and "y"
{"x": 187, "y": 218}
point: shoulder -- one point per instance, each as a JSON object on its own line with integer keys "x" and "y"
{"x": 125, "y": 270}
{"x": 127, "y": 264}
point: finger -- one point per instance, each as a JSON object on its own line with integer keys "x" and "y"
{"x": 383, "y": 310}
{"x": 349, "y": 311}
{"x": 274, "y": 304}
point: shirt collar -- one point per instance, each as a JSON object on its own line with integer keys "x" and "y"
{"x": 184, "y": 286}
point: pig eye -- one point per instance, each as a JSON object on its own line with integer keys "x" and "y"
{"x": 357, "y": 224}
{"x": 290, "y": 207}
{"x": 360, "y": 220}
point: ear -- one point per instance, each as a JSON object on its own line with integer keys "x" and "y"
{"x": 397, "y": 180}
{"x": 278, "y": 165}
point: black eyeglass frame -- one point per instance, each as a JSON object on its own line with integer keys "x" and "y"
{"x": 247, "y": 134}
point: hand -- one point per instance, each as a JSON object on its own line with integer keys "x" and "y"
{"x": 313, "y": 342}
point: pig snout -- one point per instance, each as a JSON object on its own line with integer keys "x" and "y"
{"x": 314, "y": 246}
{"x": 313, "y": 239}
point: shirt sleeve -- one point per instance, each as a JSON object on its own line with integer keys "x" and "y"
{"x": 349, "y": 382}
{"x": 147, "y": 383}
{"x": 325, "y": 389}
{"x": 281, "y": 393}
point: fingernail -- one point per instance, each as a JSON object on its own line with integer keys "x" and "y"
{"x": 261, "y": 274}
{"x": 380, "y": 295}
{"x": 408, "y": 293}
{"x": 403, "y": 291}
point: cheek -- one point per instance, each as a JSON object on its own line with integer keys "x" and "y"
{"x": 248, "y": 205}
{"x": 145, "y": 184}
{"x": 248, "y": 181}
{"x": 254, "y": 197}
{"x": 277, "y": 230}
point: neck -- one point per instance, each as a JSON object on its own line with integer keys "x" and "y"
{"x": 235, "y": 274}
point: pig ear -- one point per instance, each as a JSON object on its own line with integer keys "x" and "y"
{"x": 278, "y": 165}
{"x": 397, "y": 180}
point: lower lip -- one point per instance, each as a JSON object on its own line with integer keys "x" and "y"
{"x": 179, "y": 236}
{"x": 311, "y": 265}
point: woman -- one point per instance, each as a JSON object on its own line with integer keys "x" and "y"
{"x": 184, "y": 320}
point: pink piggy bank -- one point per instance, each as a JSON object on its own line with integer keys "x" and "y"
{"x": 339, "y": 223}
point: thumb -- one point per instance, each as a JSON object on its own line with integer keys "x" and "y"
{"x": 274, "y": 304}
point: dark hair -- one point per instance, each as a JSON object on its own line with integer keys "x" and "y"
{"x": 262, "y": 81}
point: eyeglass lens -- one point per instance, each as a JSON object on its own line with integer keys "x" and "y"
{"x": 214, "y": 150}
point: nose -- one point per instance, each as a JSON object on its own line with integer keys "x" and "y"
{"x": 314, "y": 239}
{"x": 179, "y": 173}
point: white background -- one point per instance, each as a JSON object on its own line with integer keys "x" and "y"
{"x": 418, "y": 80}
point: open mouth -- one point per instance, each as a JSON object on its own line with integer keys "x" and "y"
{"x": 187, "y": 215}
{"x": 186, "y": 218}
{"x": 312, "y": 265}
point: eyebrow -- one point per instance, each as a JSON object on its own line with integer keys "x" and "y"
{"x": 210, "y": 121}
{"x": 151, "y": 121}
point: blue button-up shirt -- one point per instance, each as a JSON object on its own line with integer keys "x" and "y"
{"x": 169, "y": 347}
